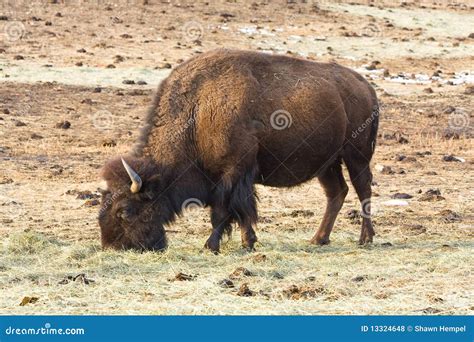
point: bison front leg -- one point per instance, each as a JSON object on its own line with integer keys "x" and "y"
{"x": 248, "y": 236}
{"x": 221, "y": 221}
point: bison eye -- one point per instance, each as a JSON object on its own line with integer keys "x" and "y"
{"x": 124, "y": 214}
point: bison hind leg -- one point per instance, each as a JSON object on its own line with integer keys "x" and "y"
{"x": 361, "y": 179}
{"x": 335, "y": 187}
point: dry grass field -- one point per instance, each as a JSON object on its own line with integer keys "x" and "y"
{"x": 65, "y": 109}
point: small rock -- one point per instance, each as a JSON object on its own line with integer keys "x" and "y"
{"x": 239, "y": 272}
{"x": 83, "y": 195}
{"x": 302, "y": 213}
{"x": 28, "y": 300}
{"x": 244, "y": 291}
{"x": 79, "y": 278}
{"x": 91, "y": 203}
{"x": 35, "y": 136}
{"x": 63, "y": 124}
{"x": 386, "y": 170}
{"x": 402, "y": 140}
{"x": 6, "y": 111}
{"x": 432, "y": 195}
{"x": 226, "y": 283}
{"x": 276, "y": 275}
{"x": 128, "y": 82}
{"x": 353, "y": 214}
{"x": 82, "y": 50}
{"x": 18, "y": 58}
{"x": 358, "y": 279}
{"x": 164, "y": 66}
{"x": 260, "y": 258}
{"x": 430, "y": 311}
{"x": 110, "y": 66}
{"x": 451, "y": 158}
{"x": 449, "y": 216}
{"x": 19, "y": 123}
{"x": 401, "y": 195}
{"x": 414, "y": 229}
{"x": 428, "y": 90}
{"x": 109, "y": 143}
{"x": 89, "y": 102}
{"x": 449, "y": 110}
{"x": 469, "y": 90}
{"x": 183, "y": 277}
{"x": 141, "y": 83}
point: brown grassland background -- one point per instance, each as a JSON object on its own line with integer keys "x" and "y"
{"x": 68, "y": 60}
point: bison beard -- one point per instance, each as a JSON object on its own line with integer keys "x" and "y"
{"x": 215, "y": 130}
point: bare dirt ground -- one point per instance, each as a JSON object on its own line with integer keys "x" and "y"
{"x": 64, "y": 110}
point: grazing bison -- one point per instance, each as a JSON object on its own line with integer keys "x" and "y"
{"x": 226, "y": 120}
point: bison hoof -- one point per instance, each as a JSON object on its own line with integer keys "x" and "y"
{"x": 365, "y": 240}
{"x": 321, "y": 241}
{"x": 249, "y": 248}
{"x": 212, "y": 246}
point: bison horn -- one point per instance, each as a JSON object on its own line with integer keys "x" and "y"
{"x": 135, "y": 178}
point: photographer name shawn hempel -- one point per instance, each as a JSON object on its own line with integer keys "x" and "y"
{"x": 416, "y": 328}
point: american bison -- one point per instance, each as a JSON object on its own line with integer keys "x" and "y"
{"x": 226, "y": 120}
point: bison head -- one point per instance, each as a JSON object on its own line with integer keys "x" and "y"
{"x": 132, "y": 213}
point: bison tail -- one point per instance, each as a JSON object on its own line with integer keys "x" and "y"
{"x": 374, "y": 128}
